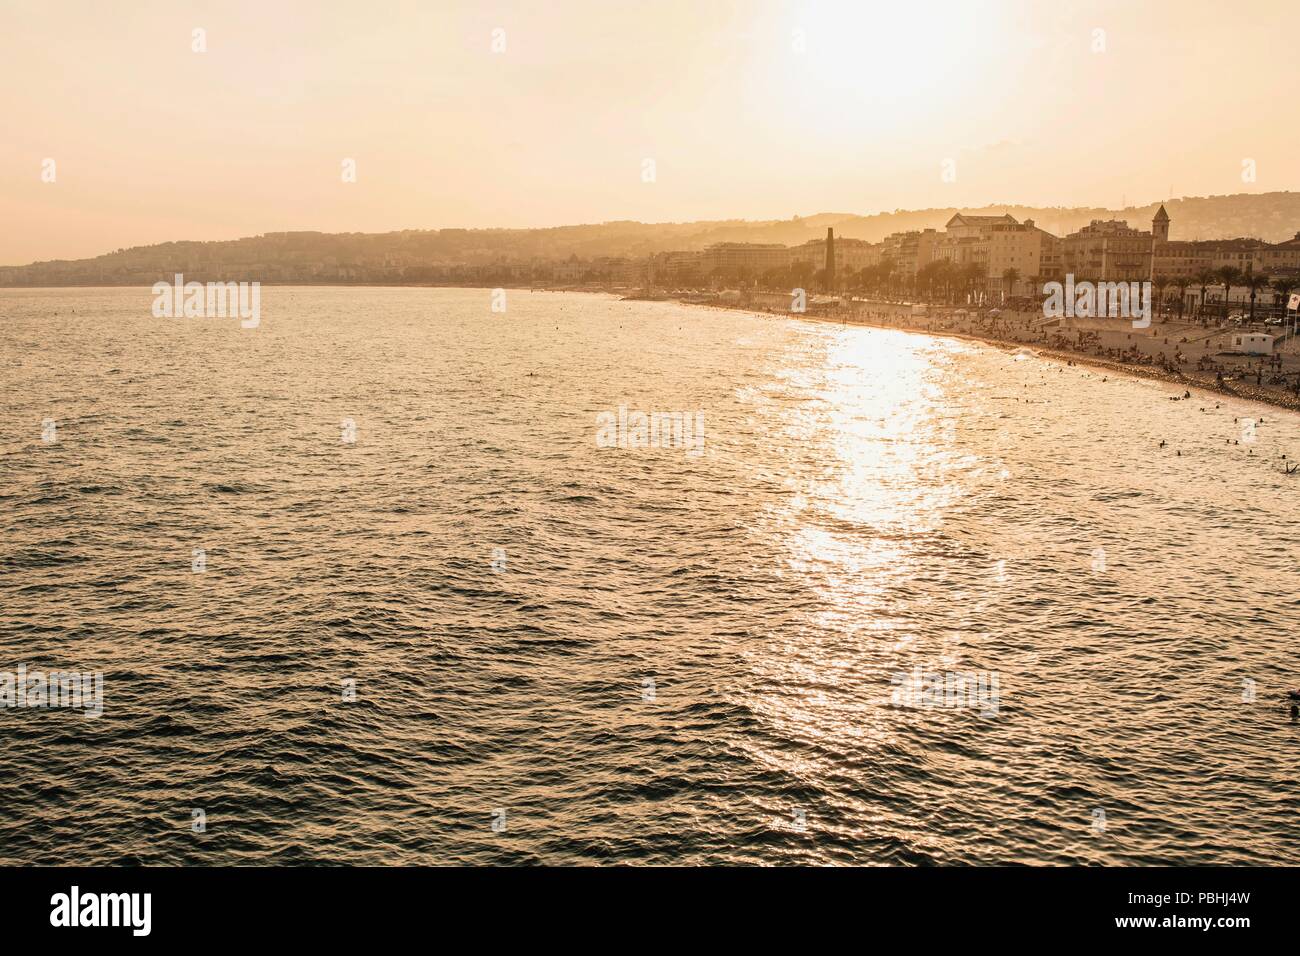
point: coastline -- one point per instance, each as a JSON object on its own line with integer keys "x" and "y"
{"x": 1206, "y": 381}
{"x": 1202, "y": 380}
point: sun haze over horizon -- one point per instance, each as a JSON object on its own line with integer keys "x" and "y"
{"x": 589, "y": 112}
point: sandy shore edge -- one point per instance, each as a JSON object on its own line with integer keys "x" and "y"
{"x": 1187, "y": 380}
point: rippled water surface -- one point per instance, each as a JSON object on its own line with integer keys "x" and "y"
{"x": 629, "y": 655}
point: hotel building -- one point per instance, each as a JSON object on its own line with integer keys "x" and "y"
{"x": 1108, "y": 251}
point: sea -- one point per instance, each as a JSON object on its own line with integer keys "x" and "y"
{"x": 467, "y": 576}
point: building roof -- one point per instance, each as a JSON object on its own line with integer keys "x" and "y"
{"x": 1236, "y": 245}
{"x": 962, "y": 219}
{"x": 1221, "y": 245}
{"x": 1108, "y": 228}
{"x": 1161, "y": 215}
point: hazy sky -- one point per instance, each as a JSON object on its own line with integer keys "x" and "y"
{"x": 749, "y": 109}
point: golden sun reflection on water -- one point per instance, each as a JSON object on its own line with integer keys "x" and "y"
{"x": 876, "y": 471}
{"x": 942, "y": 504}
{"x": 880, "y": 430}
{"x": 885, "y": 427}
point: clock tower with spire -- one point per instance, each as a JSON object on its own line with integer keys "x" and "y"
{"x": 1160, "y": 225}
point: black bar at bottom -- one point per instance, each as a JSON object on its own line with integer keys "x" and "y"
{"x": 335, "y": 906}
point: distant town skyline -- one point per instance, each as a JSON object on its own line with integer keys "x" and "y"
{"x": 160, "y": 121}
{"x": 984, "y": 253}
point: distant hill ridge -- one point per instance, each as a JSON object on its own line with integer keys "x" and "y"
{"x": 1273, "y": 216}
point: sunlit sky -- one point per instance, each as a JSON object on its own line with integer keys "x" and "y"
{"x": 753, "y": 109}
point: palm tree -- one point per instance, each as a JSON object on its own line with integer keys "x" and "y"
{"x": 972, "y": 274}
{"x": 925, "y": 276}
{"x": 943, "y": 278}
{"x": 1204, "y": 278}
{"x": 1228, "y": 277}
{"x": 1254, "y": 281}
{"x": 801, "y": 272}
{"x": 776, "y": 278}
{"x": 951, "y": 277}
{"x": 1283, "y": 286}
{"x": 1181, "y": 283}
{"x": 886, "y": 270}
{"x": 1160, "y": 283}
{"x": 1011, "y": 276}
{"x": 930, "y": 275}
{"x": 866, "y": 278}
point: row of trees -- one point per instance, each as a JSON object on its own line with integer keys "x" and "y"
{"x": 940, "y": 280}
{"x": 944, "y": 281}
{"x": 1228, "y": 277}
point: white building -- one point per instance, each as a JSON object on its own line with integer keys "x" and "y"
{"x": 1252, "y": 343}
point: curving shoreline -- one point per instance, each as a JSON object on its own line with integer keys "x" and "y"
{"x": 1202, "y": 380}
{"x": 1206, "y": 381}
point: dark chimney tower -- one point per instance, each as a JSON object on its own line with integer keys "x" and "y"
{"x": 830, "y": 259}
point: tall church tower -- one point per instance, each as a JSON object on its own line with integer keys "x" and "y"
{"x": 1160, "y": 225}
{"x": 830, "y": 259}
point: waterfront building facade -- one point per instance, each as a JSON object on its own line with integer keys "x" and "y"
{"x": 910, "y": 251}
{"x": 1108, "y": 251}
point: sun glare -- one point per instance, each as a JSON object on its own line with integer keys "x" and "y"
{"x": 847, "y": 57}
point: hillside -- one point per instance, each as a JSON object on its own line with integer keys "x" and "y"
{"x": 290, "y": 255}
